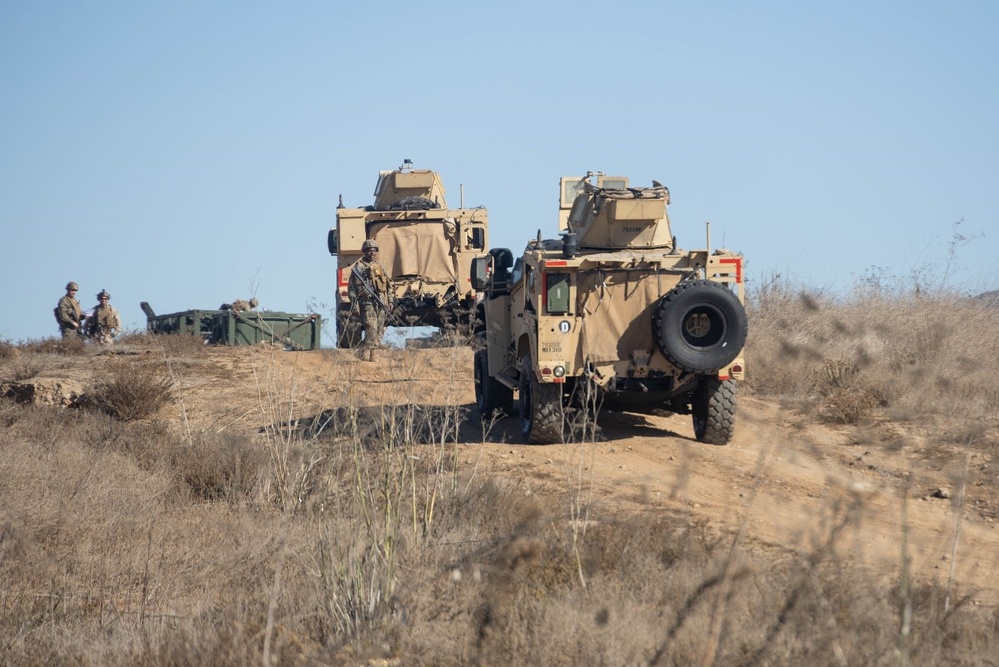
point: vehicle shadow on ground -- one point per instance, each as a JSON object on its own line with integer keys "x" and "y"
{"x": 377, "y": 425}
{"x": 610, "y": 427}
{"x": 622, "y": 425}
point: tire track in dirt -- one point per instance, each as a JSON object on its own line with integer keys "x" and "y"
{"x": 789, "y": 486}
{"x": 787, "y": 478}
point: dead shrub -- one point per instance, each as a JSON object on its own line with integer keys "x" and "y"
{"x": 217, "y": 467}
{"x": 131, "y": 391}
{"x": 377, "y": 427}
{"x": 849, "y": 405}
{"x": 170, "y": 345}
{"x": 912, "y": 352}
{"x": 7, "y": 350}
{"x": 132, "y": 338}
{"x": 847, "y": 396}
{"x": 24, "y": 367}
{"x": 177, "y": 345}
{"x": 786, "y": 333}
{"x": 207, "y": 466}
{"x": 453, "y": 336}
{"x": 69, "y": 345}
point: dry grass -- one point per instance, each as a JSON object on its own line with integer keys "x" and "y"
{"x": 172, "y": 345}
{"x": 24, "y": 367}
{"x": 879, "y": 352}
{"x": 70, "y": 345}
{"x": 364, "y": 533}
{"x": 129, "y": 391}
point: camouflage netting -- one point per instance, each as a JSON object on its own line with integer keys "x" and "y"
{"x": 409, "y": 204}
{"x": 656, "y": 192}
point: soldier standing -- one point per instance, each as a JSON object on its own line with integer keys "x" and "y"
{"x": 368, "y": 288}
{"x": 103, "y": 323}
{"x": 68, "y": 313}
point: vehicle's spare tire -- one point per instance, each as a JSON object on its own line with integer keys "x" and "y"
{"x": 700, "y": 326}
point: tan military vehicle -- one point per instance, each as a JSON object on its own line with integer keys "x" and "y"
{"x": 426, "y": 247}
{"x": 612, "y": 309}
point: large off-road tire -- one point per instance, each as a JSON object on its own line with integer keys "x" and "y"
{"x": 541, "y": 413}
{"x": 713, "y": 410}
{"x": 700, "y": 326}
{"x": 491, "y": 396}
{"x": 348, "y": 330}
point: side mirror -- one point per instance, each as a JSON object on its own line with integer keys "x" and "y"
{"x": 478, "y": 238}
{"x": 332, "y": 241}
{"x": 480, "y": 273}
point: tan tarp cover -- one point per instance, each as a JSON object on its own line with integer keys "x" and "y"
{"x": 617, "y": 308}
{"x": 417, "y": 249}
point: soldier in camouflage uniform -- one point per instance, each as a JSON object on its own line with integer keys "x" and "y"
{"x": 239, "y": 305}
{"x": 369, "y": 272}
{"x": 103, "y": 323}
{"x": 68, "y": 313}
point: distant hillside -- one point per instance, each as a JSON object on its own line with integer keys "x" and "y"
{"x": 992, "y": 298}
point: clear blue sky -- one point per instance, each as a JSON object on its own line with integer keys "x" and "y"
{"x": 191, "y": 153}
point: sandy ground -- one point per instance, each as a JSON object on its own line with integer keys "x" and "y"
{"x": 785, "y": 481}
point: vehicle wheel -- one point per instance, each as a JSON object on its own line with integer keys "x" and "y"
{"x": 540, "y": 407}
{"x": 348, "y": 330}
{"x": 491, "y": 396}
{"x": 713, "y": 410}
{"x": 700, "y": 326}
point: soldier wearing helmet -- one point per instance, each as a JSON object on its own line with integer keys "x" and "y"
{"x": 103, "y": 323}
{"x": 68, "y": 313}
{"x": 371, "y": 297}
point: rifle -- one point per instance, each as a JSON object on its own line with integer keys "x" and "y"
{"x": 370, "y": 290}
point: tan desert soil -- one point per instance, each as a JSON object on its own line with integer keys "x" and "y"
{"x": 781, "y": 483}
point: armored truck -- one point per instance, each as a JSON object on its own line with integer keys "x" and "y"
{"x": 426, "y": 247}
{"x": 613, "y": 309}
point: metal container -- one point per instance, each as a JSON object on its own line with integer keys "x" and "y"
{"x": 232, "y": 327}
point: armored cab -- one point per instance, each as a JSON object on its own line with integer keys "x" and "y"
{"x": 426, "y": 247}
{"x": 612, "y": 309}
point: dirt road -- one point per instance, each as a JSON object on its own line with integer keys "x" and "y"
{"x": 786, "y": 480}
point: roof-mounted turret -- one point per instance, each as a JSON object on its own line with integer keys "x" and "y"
{"x": 609, "y": 215}
{"x": 408, "y": 188}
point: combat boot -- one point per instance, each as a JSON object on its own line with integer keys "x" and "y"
{"x": 373, "y": 354}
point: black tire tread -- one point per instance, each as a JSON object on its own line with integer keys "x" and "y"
{"x": 544, "y": 425}
{"x": 714, "y": 410}
{"x": 711, "y": 360}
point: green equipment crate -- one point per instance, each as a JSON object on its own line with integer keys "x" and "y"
{"x": 230, "y": 327}
{"x": 299, "y": 332}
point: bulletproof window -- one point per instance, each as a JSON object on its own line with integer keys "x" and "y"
{"x": 518, "y": 271}
{"x": 556, "y": 293}
{"x": 613, "y": 183}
